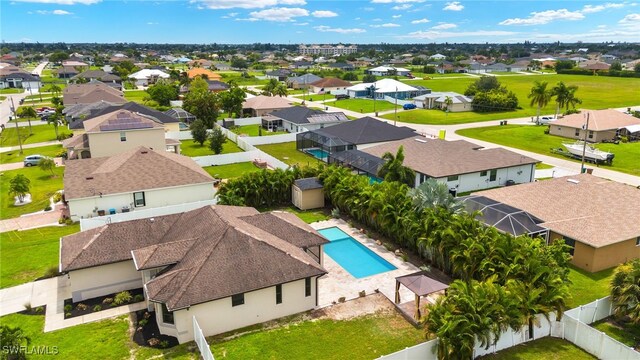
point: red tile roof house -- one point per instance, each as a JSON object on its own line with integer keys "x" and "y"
{"x": 603, "y": 125}
{"x": 136, "y": 179}
{"x": 229, "y": 267}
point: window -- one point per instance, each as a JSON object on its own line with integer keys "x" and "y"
{"x": 423, "y": 178}
{"x": 571, "y": 243}
{"x": 167, "y": 316}
{"x": 638, "y": 241}
{"x": 483, "y": 173}
{"x": 237, "y": 299}
{"x": 452, "y": 178}
{"x": 138, "y": 199}
{"x": 307, "y": 284}
{"x": 493, "y": 175}
{"x": 590, "y": 134}
{"x": 577, "y": 132}
{"x": 123, "y": 136}
{"x": 278, "y": 294}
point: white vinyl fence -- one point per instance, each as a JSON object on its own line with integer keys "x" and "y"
{"x": 223, "y": 159}
{"x": 243, "y": 121}
{"x": 178, "y": 135}
{"x": 424, "y": 351}
{"x": 201, "y": 341}
{"x": 271, "y": 139}
{"x": 94, "y": 222}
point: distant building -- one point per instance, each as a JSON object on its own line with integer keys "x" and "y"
{"x": 327, "y": 49}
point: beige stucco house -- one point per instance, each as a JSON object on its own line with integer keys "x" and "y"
{"x": 439, "y": 100}
{"x": 118, "y": 131}
{"x": 229, "y": 267}
{"x": 597, "y": 218}
{"x": 307, "y": 193}
{"x": 603, "y": 125}
{"x": 76, "y": 119}
{"x": 136, "y": 179}
{"x": 261, "y": 105}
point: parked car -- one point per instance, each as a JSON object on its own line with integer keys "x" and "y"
{"x": 342, "y": 97}
{"x": 44, "y": 108}
{"x": 409, "y": 106}
{"x": 33, "y": 160}
{"x": 544, "y": 120}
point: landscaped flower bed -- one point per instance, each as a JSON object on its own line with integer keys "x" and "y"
{"x": 102, "y": 303}
{"x": 148, "y": 334}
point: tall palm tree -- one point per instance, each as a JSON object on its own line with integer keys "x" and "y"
{"x": 55, "y": 89}
{"x": 431, "y": 194}
{"x": 280, "y": 90}
{"x": 571, "y": 99}
{"x": 393, "y": 170}
{"x": 565, "y": 96}
{"x": 540, "y": 96}
{"x": 448, "y": 101}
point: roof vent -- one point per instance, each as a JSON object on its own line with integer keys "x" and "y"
{"x": 573, "y": 181}
{"x": 89, "y": 178}
{"x": 151, "y": 219}
{"x": 421, "y": 140}
{"x": 144, "y": 152}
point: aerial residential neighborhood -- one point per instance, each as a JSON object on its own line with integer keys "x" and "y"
{"x": 287, "y": 179}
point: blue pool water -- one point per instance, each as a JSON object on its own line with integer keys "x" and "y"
{"x": 318, "y": 153}
{"x": 353, "y": 256}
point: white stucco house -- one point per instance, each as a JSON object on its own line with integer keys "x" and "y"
{"x": 388, "y": 71}
{"x": 229, "y": 267}
{"x": 438, "y": 100}
{"x": 146, "y": 77}
{"x": 136, "y": 179}
{"x": 385, "y": 89}
{"x": 19, "y": 80}
{"x": 300, "y": 118}
{"x": 462, "y": 165}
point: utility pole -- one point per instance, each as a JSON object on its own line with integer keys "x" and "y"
{"x": 584, "y": 145}
{"x": 13, "y": 110}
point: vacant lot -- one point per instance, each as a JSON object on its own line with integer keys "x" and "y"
{"x": 533, "y": 138}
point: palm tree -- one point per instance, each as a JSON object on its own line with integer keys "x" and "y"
{"x": 448, "y": 101}
{"x": 280, "y": 90}
{"x": 14, "y": 339}
{"x": 540, "y": 96}
{"x": 55, "y": 119}
{"x": 431, "y": 194}
{"x": 625, "y": 291}
{"x": 393, "y": 170}
{"x": 565, "y": 96}
{"x": 55, "y": 89}
{"x": 571, "y": 99}
{"x": 27, "y": 112}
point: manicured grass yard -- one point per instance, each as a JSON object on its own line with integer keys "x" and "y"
{"x": 542, "y": 166}
{"x": 546, "y": 348}
{"x": 135, "y": 95}
{"x": 41, "y": 133}
{"x": 308, "y": 216}
{"x": 253, "y": 130}
{"x": 532, "y": 138}
{"x": 11, "y": 91}
{"x": 287, "y": 153}
{"x": 192, "y": 148}
{"x": 587, "y": 287}
{"x": 365, "y": 337}
{"x": 15, "y": 156}
{"x": 439, "y": 117}
{"x": 27, "y": 255}
{"x": 231, "y": 170}
{"x": 42, "y": 188}
{"x": 626, "y": 333}
{"x": 360, "y": 105}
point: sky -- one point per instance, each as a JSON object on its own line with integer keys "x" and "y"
{"x": 309, "y": 21}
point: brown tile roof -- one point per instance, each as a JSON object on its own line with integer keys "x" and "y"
{"x": 331, "y": 82}
{"x": 589, "y": 209}
{"x": 212, "y": 252}
{"x": 78, "y": 142}
{"x": 439, "y": 158}
{"x": 120, "y": 120}
{"x": 599, "y": 120}
{"x": 91, "y": 93}
{"x": 193, "y": 72}
{"x": 133, "y": 170}
{"x": 266, "y": 102}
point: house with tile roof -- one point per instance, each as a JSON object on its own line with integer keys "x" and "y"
{"x": 605, "y": 124}
{"x": 146, "y": 77}
{"x": 597, "y": 218}
{"x": 99, "y": 75}
{"x": 203, "y": 73}
{"x": 328, "y": 85}
{"x": 139, "y": 178}
{"x": 118, "y": 131}
{"x": 229, "y": 267}
{"x": 262, "y": 104}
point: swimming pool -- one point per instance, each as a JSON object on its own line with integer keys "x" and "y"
{"x": 318, "y": 153}
{"x": 354, "y": 257}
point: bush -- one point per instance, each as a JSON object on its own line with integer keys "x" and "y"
{"x": 68, "y": 308}
{"x": 362, "y": 293}
{"x": 64, "y": 136}
{"x": 38, "y": 310}
{"x": 335, "y": 213}
{"x": 47, "y": 208}
{"x": 122, "y": 298}
{"x": 68, "y": 221}
{"x": 138, "y": 298}
{"x": 164, "y": 344}
{"x": 429, "y": 70}
{"x": 571, "y": 111}
{"x": 97, "y": 308}
{"x": 107, "y": 301}
{"x": 81, "y": 307}
{"x": 52, "y": 271}
{"x": 67, "y": 314}
{"x": 62, "y": 153}
{"x": 27, "y": 307}
{"x": 143, "y": 322}
{"x": 57, "y": 197}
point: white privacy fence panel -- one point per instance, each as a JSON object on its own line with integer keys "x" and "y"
{"x": 243, "y": 121}
{"x": 94, "y": 222}
{"x": 510, "y": 338}
{"x": 178, "y": 135}
{"x": 424, "y": 351}
{"x": 224, "y": 159}
{"x": 271, "y": 139}
{"x": 201, "y": 341}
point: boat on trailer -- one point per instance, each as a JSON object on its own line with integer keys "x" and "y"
{"x": 590, "y": 152}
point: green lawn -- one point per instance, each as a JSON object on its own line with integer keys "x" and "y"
{"x": 287, "y": 153}
{"x": 542, "y": 166}
{"x": 596, "y": 92}
{"x": 547, "y": 348}
{"x": 27, "y": 255}
{"x": 11, "y": 91}
{"x": 360, "y": 105}
{"x": 41, "y": 133}
{"x": 135, "y": 95}
{"x": 15, "y": 156}
{"x": 42, "y": 188}
{"x": 192, "y": 148}
{"x": 308, "y": 216}
{"x": 626, "y": 333}
{"x": 253, "y": 130}
{"x": 366, "y": 337}
{"x": 231, "y": 170}
{"x": 532, "y": 138}
{"x": 587, "y": 287}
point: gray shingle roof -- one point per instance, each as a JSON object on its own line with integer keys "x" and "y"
{"x": 131, "y": 106}
{"x": 308, "y": 183}
{"x": 366, "y": 130}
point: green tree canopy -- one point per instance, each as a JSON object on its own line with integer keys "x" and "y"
{"x": 47, "y": 164}
{"x": 217, "y": 140}
{"x": 625, "y": 291}
{"x": 369, "y": 78}
{"x": 432, "y": 194}
{"x": 231, "y": 100}
{"x": 19, "y": 186}
{"x": 204, "y": 105}
{"x": 484, "y": 84}
{"x": 198, "y": 131}
{"x": 394, "y": 170}
{"x": 163, "y": 92}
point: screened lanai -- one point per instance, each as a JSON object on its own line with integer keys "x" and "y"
{"x": 504, "y": 217}
{"x": 181, "y": 114}
{"x": 321, "y": 145}
{"x": 359, "y": 161}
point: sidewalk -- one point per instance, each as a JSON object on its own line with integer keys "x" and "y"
{"x": 20, "y": 165}
{"x": 31, "y": 146}
{"x": 35, "y": 220}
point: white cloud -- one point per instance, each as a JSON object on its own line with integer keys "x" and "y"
{"x": 630, "y": 19}
{"x": 301, "y": 24}
{"x": 62, "y": 2}
{"x": 396, "y": 1}
{"x": 545, "y": 17}
{"x": 323, "y": 28}
{"x": 387, "y": 25}
{"x": 324, "y": 14}
{"x": 233, "y": 14}
{"x": 453, "y": 6}
{"x": 431, "y": 35}
{"x": 402, "y": 7}
{"x": 588, "y": 9}
{"x": 152, "y": 23}
{"x": 278, "y": 14}
{"x": 444, "y": 26}
{"x": 54, "y": 12}
{"x": 396, "y": 16}
{"x": 420, "y": 21}
{"x": 244, "y": 4}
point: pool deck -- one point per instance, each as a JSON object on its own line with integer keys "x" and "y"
{"x": 339, "y": 283}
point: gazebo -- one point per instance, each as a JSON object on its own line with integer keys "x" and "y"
{"x": 421, "y": 285}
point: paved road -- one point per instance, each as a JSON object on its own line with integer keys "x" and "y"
{"x": 31, "y": 146}
{"x": 5, "y": 106}
{"x": 20, "y": 165}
